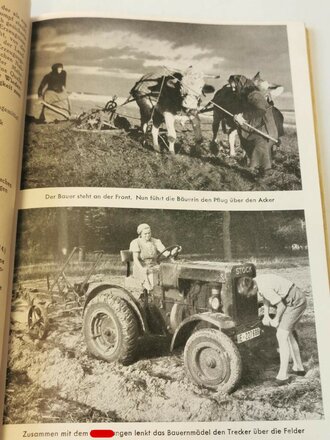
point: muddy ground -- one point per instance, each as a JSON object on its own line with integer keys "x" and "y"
{"x": 56, "y": 380}
{"x": 57, "y": 155}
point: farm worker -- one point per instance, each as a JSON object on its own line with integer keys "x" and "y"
{"x": 145, "y": 250}
{"x": 290, "y": 303}
{"x": 52, "y": 90}
{"x": 258, "y": 113}
{"x": 269, "y": 90}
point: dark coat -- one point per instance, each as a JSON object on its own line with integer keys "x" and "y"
{"x": 53, "y": 81}
{"x": 263, "y": 116}
{"x": 258, "y": 113}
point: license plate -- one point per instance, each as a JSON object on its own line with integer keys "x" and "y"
{"x": 250, "y": 334}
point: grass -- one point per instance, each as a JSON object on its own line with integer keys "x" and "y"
{"x": 110, "y": 264}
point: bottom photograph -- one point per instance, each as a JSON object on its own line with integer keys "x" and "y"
{"x": 142, "y": 315}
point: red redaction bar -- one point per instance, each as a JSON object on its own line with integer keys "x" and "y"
{"x": 102, "y": 433}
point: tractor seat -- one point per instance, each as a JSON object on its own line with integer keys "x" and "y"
{"x": 127, "y": 257}
{"x": 130, "y": 281}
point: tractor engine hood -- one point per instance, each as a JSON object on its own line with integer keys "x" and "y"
{"x": 171, "y": 273}
{"x": 204, "y": 271}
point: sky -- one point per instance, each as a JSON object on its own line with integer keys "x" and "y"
{"x": 107, "y": 56}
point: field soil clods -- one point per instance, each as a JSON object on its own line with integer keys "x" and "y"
{"x": 59, "y": 155}
{"x": 57, "y": 380}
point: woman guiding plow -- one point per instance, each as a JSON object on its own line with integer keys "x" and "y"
{"x": 53, "y": 95}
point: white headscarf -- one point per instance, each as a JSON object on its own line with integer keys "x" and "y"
{"x": 141, "y": 228}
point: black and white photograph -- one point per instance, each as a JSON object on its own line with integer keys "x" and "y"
{"x": 145, "y": 315}
{"x": 150, "y": 104}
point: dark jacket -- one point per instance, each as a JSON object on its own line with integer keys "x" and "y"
{"x": 256, "y": 110}
{"x": 259, "y": 114}
{"x": 53, "y": 81}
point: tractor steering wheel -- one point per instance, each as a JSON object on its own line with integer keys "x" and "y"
{"x": 173, "y": 252}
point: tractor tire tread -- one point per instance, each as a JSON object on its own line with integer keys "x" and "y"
{"x": 128, "y": 322}
{"x": 229, "y": 347}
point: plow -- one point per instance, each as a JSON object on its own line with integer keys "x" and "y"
{"x": 105, "y": 118}
{"x": 98, "y": 119}
{"x": 60, "y": 296}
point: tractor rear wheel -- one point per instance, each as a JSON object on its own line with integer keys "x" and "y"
{"x": 212, "y": 360}
{"x": 110, "y": 328}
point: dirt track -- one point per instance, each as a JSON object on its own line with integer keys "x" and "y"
{"x": 59, "y": 381}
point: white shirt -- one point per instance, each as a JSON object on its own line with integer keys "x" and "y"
{"x": 273, "y": 287}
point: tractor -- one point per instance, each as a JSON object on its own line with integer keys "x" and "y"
{"x": 196, "y": 303}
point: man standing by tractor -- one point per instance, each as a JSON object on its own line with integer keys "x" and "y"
{"x": 290, "y": 303}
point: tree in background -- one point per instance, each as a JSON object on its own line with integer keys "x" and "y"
{"x": 226, "y": 236}
{"x": 63, "y": 233}
{"x": 292, "y": 232}
{"x": 219, "y": 235}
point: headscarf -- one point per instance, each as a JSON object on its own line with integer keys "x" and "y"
{"x": 56, "y": 66}
{"x": 242, "y": 83}
{"x": 142, "y": 227}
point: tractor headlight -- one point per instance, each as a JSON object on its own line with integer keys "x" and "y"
{"x": 214, "y": 300}
{"x": 214, "y": 303}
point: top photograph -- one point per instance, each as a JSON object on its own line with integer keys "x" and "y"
{"x": 150, "y": 104}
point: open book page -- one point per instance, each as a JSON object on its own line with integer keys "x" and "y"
{"x": 169, "y": 255}
{"x": 14, "y": 41}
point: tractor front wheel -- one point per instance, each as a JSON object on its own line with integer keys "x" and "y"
{"x": 212, "y": 360}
